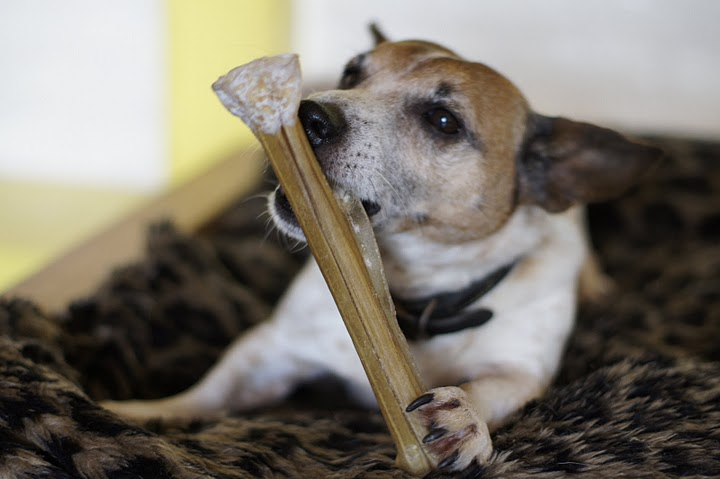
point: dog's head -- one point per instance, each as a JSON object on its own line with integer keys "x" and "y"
{"x": 428, "y": 140}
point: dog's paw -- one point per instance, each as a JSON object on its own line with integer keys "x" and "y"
{"x": 141, "y": 411}
{"x": 134, "y": 410}
{"x": 458, "y": 436}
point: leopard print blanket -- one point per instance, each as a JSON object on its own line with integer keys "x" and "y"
{"x": 638, "y": 396}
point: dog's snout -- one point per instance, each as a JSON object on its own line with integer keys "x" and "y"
{"x": 322, "y": 122}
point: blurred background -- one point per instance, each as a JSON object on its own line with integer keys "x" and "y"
{"x": 104, "y": 104}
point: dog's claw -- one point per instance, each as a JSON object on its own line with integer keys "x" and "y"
{"x": 434, "y": 435}
{"x": 421, "y": 401}
{"x": 448, "y": 461}
{"x": 457, "y": 435}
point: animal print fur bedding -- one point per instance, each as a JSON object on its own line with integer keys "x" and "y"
{"x": 638, "y": 395}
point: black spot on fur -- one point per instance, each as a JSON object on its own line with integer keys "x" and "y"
{"x": 709, "y": 228}
{"x": 59, "y": 451}
{"x": 93, "y": 419}
{"x": 344, "y": 442}
{"x": 696, "y": 185}
{"x": 196, "y": 320}
{"x": 663, "y": 219}
{"x": 142, "y": 466}
{"x": 25, "y": 406}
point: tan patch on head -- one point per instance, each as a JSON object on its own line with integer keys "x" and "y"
{"x": 499, "y": 114}
{"x": 495, "y": 110}
{"x": 399, "y": 57}
{"x": 452, "y": 187}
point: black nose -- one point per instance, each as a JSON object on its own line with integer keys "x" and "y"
{"x": 322, "y": 122}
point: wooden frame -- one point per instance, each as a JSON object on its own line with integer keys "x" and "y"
{"x": 189, "y": 206}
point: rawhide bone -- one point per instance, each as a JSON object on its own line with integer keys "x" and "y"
{"x": 265, "y": 94}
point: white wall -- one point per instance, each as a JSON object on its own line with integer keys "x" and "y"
{"x": 83, "y": 82}
{"x": 81, "y": 91}
{"x": 648, "y": 65}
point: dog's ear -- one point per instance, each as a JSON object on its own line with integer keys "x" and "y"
{"x": 564, "y": 162}
{"x": 378, "y": 36}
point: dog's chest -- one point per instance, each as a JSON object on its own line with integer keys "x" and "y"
{"x": 533, "y": 310}
{"x": 417, "y": 266}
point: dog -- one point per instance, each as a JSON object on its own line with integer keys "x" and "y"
{"x": 477, "y": 205}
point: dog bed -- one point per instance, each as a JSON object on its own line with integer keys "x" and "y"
{"x": 638, "y": 395}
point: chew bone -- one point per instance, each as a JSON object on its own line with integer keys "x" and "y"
{"x": 265, "y": 94}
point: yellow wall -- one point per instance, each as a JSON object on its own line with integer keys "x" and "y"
{"x": 39, "y": 221}
{"x": 207, "y": 38}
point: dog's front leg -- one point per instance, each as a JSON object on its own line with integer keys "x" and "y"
{"x": 460, "y": 418}
{"x": 256, "y": 370}
{"x": 304, "y": 338}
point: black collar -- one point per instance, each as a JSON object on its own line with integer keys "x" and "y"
{"x": 444, "y": 313}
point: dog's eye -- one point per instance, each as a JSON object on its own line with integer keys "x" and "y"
{"x": 350, "y": 77}
{"x": 443, "y": 121}
{"x": 352, "y": 74}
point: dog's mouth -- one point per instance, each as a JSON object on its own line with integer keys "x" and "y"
{"x": 323, "y": 124}
{"x": 282, "y": 210}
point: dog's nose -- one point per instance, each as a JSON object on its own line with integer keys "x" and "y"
{"x": 322, "y": 122}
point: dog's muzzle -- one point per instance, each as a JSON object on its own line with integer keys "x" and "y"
{"x": 323, "y": 124}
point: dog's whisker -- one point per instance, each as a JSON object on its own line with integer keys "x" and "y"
{"x": 270, "y": 228}
{"x": 265, "y": 215}
{"x": 390, "y": 185}
{"x": 394, "y": 191}
{"x": 401, "y": 202}
{"x": 258, "y": 196}
{"x": 298, "y": 246}
{"x": 267, "y": 219}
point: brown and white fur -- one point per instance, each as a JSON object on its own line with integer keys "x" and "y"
{"x": 460, "y": 177}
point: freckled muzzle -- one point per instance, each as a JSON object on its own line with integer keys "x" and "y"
{"x": 323, "y": 124}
